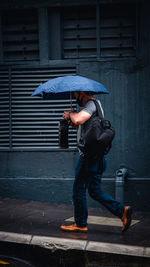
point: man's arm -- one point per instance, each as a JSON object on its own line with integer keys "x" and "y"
{"x": 77, "y": 118}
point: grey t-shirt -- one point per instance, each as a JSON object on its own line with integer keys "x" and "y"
{"x": 91, "y": 109}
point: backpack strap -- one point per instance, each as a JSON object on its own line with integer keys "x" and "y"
{"x": 98, "y": 109}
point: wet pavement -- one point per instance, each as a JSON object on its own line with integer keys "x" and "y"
{"x": 38, "y": 223}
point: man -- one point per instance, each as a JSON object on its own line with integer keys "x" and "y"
{"x": 89, "y": 172}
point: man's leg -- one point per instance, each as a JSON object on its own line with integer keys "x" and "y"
{"x": 79, "y": 194}
{"x": 102, "y": 197}
{"x": 85, "y": 172}
{"x": 79, "y": 199}
{"x": 118, "y": 209}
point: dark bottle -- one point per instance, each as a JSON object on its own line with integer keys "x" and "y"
{"x": 63, "y": 133}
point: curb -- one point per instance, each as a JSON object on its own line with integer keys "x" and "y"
{"x": 55, "y": 243}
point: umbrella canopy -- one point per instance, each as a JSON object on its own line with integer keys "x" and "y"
{"x": 62, "y": 87}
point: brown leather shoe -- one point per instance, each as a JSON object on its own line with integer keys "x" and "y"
{"x": 126, "y": 218}
{"x": 74, "y": 228}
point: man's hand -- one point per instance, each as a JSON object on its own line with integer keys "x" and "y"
{"x": 67, "y": 113}
{"x": 66, "y": 116}
{"x": 77, "y": 118}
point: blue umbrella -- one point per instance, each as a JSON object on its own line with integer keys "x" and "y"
{"x": 62, "y": 87}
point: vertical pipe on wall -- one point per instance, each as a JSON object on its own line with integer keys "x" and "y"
{"x": 121, "y": 177}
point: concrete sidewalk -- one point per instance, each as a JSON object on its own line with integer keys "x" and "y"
{"x": 38, "y": 223}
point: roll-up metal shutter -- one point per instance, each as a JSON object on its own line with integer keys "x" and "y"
{"x": 79, "y": 32}
{"x": 4, "y": 108}
{"x": 20, "y": 35}
{"x": 118, "y": 30}
{"x": 34, "y": 122}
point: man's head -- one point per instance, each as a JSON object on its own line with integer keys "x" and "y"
{"x": 82, "y": 97}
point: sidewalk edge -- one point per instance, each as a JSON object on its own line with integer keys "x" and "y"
{"x": 55, "y": 243}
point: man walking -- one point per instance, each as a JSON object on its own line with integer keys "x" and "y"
{"x": 89, "y": 172}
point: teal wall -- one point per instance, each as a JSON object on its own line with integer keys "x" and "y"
{"x": 48, "y": 175}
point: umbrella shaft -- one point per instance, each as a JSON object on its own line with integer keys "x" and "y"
{"x": 71, "y": 100}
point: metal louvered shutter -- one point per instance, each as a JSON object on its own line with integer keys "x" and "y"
{"x": 118, "y": 30}
{"x": 34, "y": 122}
{"x": 4, "y": 109}
{"x": 79, "y": 36}
{"x": 20, "y": 35}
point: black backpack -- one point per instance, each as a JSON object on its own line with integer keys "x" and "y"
{"x": 97, "y": 140}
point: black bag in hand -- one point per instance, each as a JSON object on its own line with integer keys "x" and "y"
{"x": 97, "y": 140}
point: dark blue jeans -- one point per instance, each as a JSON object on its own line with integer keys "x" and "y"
{"x": 88, "y": 175}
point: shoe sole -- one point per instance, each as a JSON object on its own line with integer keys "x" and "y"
{"x": 129, "y": 219}
{"x": 74, "y": 231}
